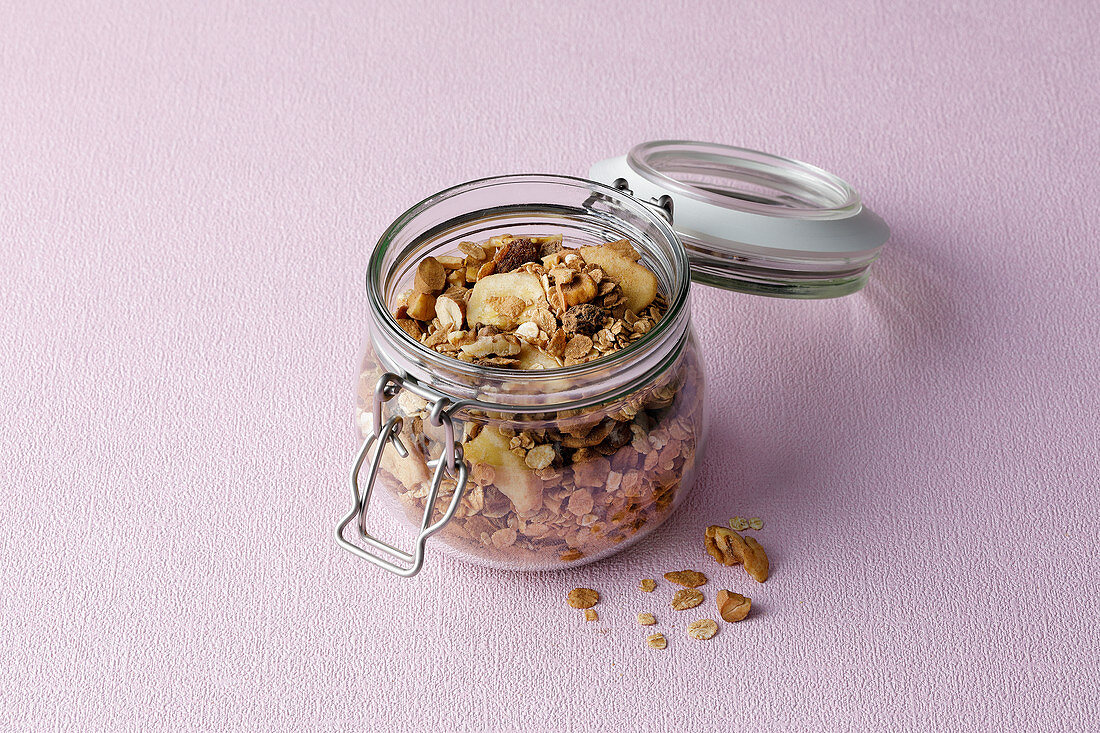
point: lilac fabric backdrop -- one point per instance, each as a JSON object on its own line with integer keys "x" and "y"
{"x": 190, "y": 194}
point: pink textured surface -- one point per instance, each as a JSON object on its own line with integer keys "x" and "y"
{"x": 190, "y": 194}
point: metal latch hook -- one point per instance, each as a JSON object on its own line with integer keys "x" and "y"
{"x": 388, "y": 433}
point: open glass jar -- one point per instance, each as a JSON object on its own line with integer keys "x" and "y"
{"x": 535, "y": 470}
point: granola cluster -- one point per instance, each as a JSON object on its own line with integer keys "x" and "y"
{"x": 555, "y": 488}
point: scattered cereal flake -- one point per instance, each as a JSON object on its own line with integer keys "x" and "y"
{"x": 656, "y": 641}
{"x": 738, "y": 524}
{"x": 646, "y": 619}
{"x": 583, "y": 598}
{"x": 686, "y": 598}
{"x": 647, "y": 585}
{"x": 756, "y": 523}
{"x": 702, "y": 629}
{"x": 591, "y": 615}
{"x": 687, "y": 578}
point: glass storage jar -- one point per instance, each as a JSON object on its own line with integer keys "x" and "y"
{"x": 535, "y": 470}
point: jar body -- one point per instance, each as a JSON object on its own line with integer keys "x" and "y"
{"x": 551, "y": 489}
{"x": 563, "y": 465}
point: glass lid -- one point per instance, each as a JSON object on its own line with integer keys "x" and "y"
{"x": 754, "y": 222}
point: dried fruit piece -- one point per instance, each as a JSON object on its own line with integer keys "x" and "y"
{"x": 583, "y": 598}
{"x": 733, "y": 607}
{"x": 591, "y": 615}
{"x": 702, "y": 629}
{"x": 638, "y": 284}
{"x": 646, "y": 619}
{"x": 738, "y": 524}
{"x": 647, "y": 585}
{"x": 430, "y": 277}
{"x": 511, "y": 475}
{"x": 729, "y": 548}
{"x": 500, "y": 300}
{"x": 687, "y": 578}
{"x": 580, "y": 289}
{"x": 756, "y": 523}
{"x": 515, "y": 254}
{"x": 583, "y": 319}
{"x": 656, "y": 641}
{"x": 686, "y": 598}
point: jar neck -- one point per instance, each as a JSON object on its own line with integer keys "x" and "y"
{"x": 576, "y": 208}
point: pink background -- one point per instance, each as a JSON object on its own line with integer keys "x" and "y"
{"x": 190, "y": 194}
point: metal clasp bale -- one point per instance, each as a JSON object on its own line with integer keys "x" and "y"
{"x": 388, "y": 433}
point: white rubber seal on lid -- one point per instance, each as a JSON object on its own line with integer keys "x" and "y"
{"x": 754, "y": 222}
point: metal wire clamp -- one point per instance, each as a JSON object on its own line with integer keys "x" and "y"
{"x": 388, "y": 433}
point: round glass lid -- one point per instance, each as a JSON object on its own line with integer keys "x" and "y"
{"x": 754, "y": 222}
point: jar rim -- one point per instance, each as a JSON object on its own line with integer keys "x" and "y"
{"x": 677, "y": 297}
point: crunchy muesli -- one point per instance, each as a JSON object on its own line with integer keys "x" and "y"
{"x": 530, "y": 302}
{"x": 551, "y": 488}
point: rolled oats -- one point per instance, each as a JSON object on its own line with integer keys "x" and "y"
{"x": 583, "y": 598}
{"x": 591, "y": 615}
{"x": 656, "y": 641}
{"x": 702, "y": 629}
{"x": 686, "y": 598}
{"x": 686, "y": 578}
{"x": 646, "y": 619}
{"x": 647, "y": 585}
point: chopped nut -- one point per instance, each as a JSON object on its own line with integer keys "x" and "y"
{"x": 451, "y": 311}
{"x": 591, "y": 615}
{"x": 473, "y": 251}
{"x": 410, "y": 327}
{"x": 656, "y": 641}
{"x": 430, "y": 278}
{"x": 452, "y": 263}
{"x": 733, "y": 607}
{"x": 702, "y": 629}
{"x": 686, "y": 598}
{"x": 756, "y": 523}
{"x": 738, "y": 524}
{"x": 583, "y": 598}
{"x": 647, "y": 585}
{"x": 729, "y": 548}
{"x": 421, "y": 306}
{"x": 646, "y": 619}
{"x": 687, "y": 578}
